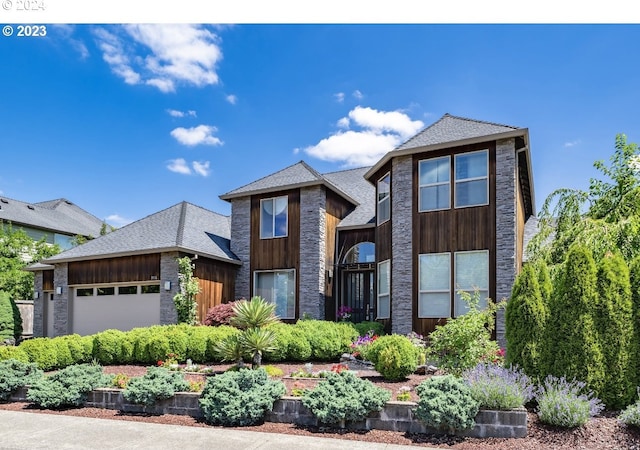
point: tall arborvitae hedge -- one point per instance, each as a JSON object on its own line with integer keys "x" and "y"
{"x": 613, "y": 318}
{"x": 525, "y": 317}
{"x": 571, "y": 345}
{"x": 6, "y": 317}
{"x": 544, "y": 281}
{"x": 634, "y": 272}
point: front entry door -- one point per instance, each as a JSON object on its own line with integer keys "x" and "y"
{"x": 358, "y": 294}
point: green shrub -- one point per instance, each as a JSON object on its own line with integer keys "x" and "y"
{"x": 393, "y": 356}
{"x": 42, "y": 351}
{"x": 216, "y": 335}
{"x": 344, "y": 396}
{"x": 613, "y": 319}
{"x": 67, "y": 387}
{"x": 464, "y": 341}
{"x": 497, "y": 387}
{"x": 64, "y": 357}
{"x": 567, "y": 404}
{"x": 325, "y": 338}
{"x": 157, "y": 384}
{"x": 139, "y": 339}
{"x": 12, "y": 352}
{"x": 634, "y": 272}
{"x": 273, "y": 371}
{"x": 299, "y": 348}
{"x": 80, "y": 348}
{"x": 446, "y": 404}
{"x": 15, "y": 374}
{"x": 283, "y": 339}
{"x": 108, "y": 348}
{"x": 8, "y": 318}
{"x": 525, "y": 318}
{"x": 364, "y": 328}
{"x": 197, "y": 344}
{"x": 239, "y": 398}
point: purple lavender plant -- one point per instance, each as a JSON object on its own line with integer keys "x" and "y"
{"x": 497, "y": 387}
{"x": 566, "y": 403}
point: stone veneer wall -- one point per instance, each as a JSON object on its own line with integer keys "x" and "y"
{"x": 61, "y": 310}
{"x": 505, "y": 228}
{"x": 313, "y": 226}
{"x": 241, "y": 243}
{"x": 38, "y": 305}
{"x": 168, "y": 272}
{"x": 401, "y": 245}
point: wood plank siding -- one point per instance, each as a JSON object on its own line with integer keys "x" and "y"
{"x": 47, "y": 280}
{"x": 115, "y": 270}
{"x": 217, "y": 284}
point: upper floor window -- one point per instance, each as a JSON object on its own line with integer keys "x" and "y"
{"x": 273, "y": 217}
{"x": 384, "y": 199}
{"x": 434, "y": 184}
{"x": 472, "y": 179}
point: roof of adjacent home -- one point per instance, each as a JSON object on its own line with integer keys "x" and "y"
{"x": 183, "y": 227}
{"x": 58, "y": 216}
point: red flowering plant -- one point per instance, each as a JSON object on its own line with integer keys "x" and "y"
{"x": 337, "y": 368}
{"x": 360, "y": 346}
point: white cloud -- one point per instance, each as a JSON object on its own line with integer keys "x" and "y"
{"x": 176, "y": 113}
{"x": 232, "y": 99}
{"x": 571, "y": 144}
{"x": 200, "y": 135}
{"x": 117, "y": 220}
{"x": 179, "y": 166}
{"x": 67, "y": 32}
{"x": 378, "y": 133}
{"x": 339, "y": 97}
{"x": 162, "y": 55}
{"x": 357, "y": 95}
{"x": 201, "y": 168}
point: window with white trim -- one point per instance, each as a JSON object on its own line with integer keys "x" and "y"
{"x": 384, "y": 199}
{"x": 274, "y": 217}
{"x": 434, "y": 287}
{"x": 471, "y": 275}
{"x": 279, "y": 287}
{"x": 434, "y": 179}
{"x": 384, "y": 290}
{"x": 472, "y": 179}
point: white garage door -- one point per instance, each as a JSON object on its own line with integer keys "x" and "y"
{"x": 101, "y": 308}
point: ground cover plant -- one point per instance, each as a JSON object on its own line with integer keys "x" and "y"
{"x": 15, "y": 374}
{"x": 157, "y": 384}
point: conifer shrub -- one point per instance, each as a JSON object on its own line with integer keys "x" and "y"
{"x": 42, "y": 351}
{"x": 446, "y": 404}
{"x": 634, "y": 275}
{"x": 7, "y": 326}
{"x": 614, "y": 322}
{"x": 15, "y": 374}
{"x": 67, "y": 387}
{"x": 239, "y": 398}
{"x": 394, "y": 356}
{"x": 157, "y": 384}
{"x": 525, "y": 318}
{"x": 344, "y": 397}
{"x": 13, "y": 352}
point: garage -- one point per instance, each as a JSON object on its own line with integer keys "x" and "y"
{"x": 123, "y": 307}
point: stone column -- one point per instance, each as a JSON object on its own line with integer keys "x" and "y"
{"x": 61, "y": 310}
{"x": 241, "y": 243}
{"x": 313, "y": 224}
{"x": 168, "y": 272}
{"x": 38, "y": 305}
{"x": 402, "y": 245}
{"x": 505, "y": 228}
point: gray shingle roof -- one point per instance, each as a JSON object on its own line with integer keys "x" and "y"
{"x": 353, "y": 183}
{"x": 59, "y": 215}
{"x": 184, "y": 227}
{"x": 452, "y": 128}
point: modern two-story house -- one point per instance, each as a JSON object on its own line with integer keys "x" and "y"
{"x": 443, "y": 212}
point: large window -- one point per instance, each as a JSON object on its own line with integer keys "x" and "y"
{"x": 384, "y": 199}
{"x": 435, "y": 191}
{"x": 384, "y": 290}
{"x": 273, "y": 217}
{"x": 434, "y": 295}
{"x": 472, "y": 179}
{"x": 472, "y": 274}
{"x": 364, "y": 252}
{"x": 278, "y": 287}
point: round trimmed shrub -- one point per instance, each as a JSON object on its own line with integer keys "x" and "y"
{"x": 239, "y": 398}
{"x": 107, "y": 347}
{"x": 42, "y": 351}
{"x": 299, "y": 347}
{"x": 139, "y": 337}
{"x": 283, "y": 340}
{"x": 325, "y": 339}
{"x": 446, "y": 404}
{"x": 63, "y": 352}
{"x": 393, "y": 356}
{"x": 78, "y": 350}
{"x": 216, "y": 335}
{"x": 197, "y": 344}
{"x": 364, "y": 328}
{"x": 12, "y": 352}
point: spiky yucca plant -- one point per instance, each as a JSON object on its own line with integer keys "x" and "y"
{"x": 258, "y": 341}
{"x": 231, "y": 349}
{"x": 254, "y": 313}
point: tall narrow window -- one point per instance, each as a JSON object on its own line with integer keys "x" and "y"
{"x": 472, "y": 274}
{"x": 384, "y": 199}
{"x": 273, "y": 217}
{"x": 434, "y": 294}
{"x": 278, "y": 287}
{"x": 472, "y": 179}
{"x": 384, "y": 290}
{"x": 434, "y": 184}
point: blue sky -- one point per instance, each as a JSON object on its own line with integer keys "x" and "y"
{"x": 128, "y": 120}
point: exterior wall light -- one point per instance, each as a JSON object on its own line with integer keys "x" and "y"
{"x": 167, "y": 285}
{"x": 59, "y": 290}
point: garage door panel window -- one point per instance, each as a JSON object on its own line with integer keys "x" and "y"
{"x": 106, "y": 291}
{"x": 127, "y": 290}
{"x": 84, "y": 292}
{"x": 150, "y": 289}
{"x": 278, "y": 287}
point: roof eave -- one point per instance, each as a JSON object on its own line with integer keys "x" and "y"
{"x": 325, "y": 183}
{"x": 474, "y": 140}
{"x": 356, "y": 227}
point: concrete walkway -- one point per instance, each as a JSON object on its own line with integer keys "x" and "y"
{"x": 24, "y": 430}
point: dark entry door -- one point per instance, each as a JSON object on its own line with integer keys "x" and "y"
{"x": 358, "y": 294}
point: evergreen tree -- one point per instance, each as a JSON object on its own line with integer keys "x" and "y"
{"x": 634, "y": 272}
{"x": 526, "y": 316}
{"x": 615, "y": 329}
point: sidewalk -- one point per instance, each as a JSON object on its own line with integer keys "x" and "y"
{"x": 23, "y": 430}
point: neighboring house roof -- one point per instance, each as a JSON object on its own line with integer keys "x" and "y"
{"x": 182, "y": 227}
{"x": 59, "y": 216}
{"x": 353, "y": 183}
{"x": 295, "y": 176}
